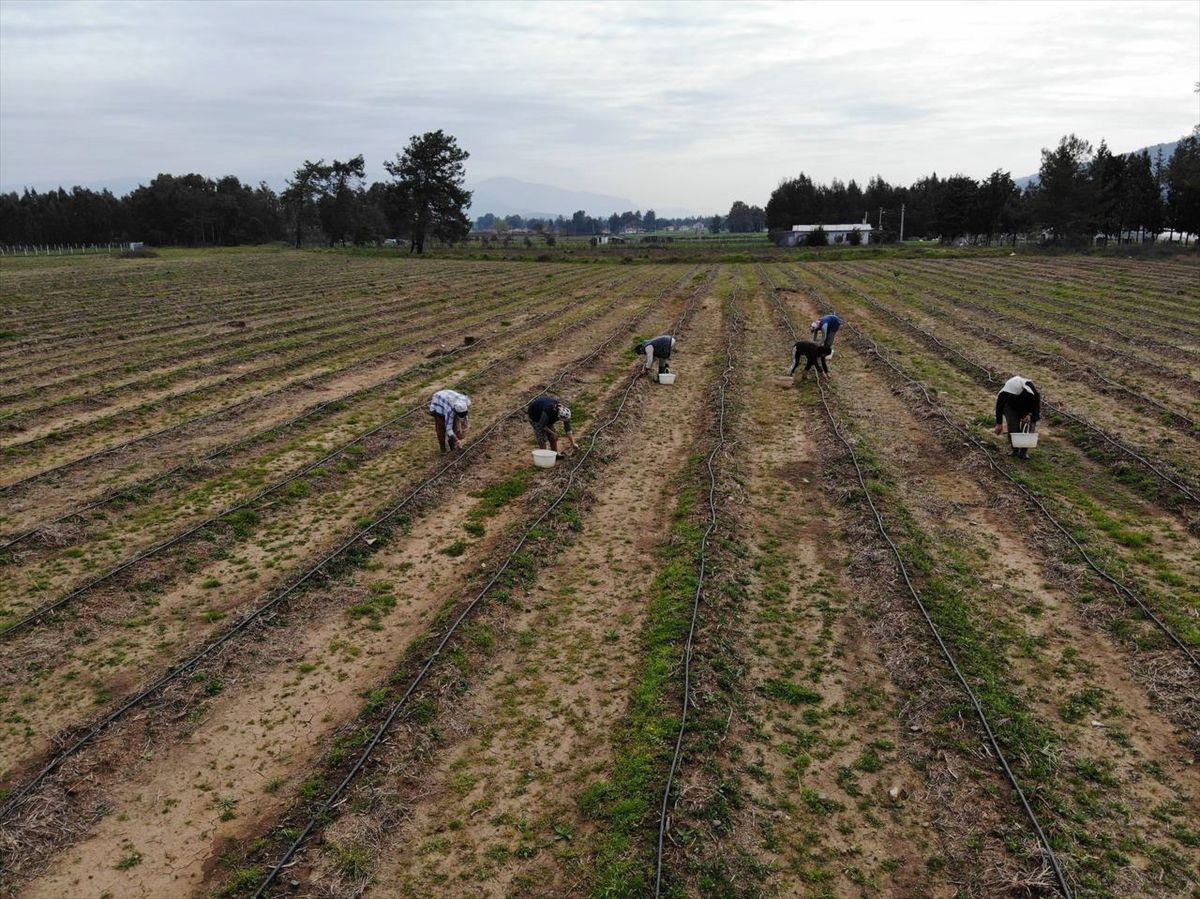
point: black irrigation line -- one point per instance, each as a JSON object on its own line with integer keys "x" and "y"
{"x": 990, "y": 378}
{"x": 990, "y": 303}
{"x": 17, "y": 796}
{"x": 171, "y": 321}
{"x": 282, "y": 426}
{"x": 233, "y": 446}
{"x": 702, "y": 571}
{"x": 244, "y": 345}
{"x": 43, "y": 611}
{"x": 1032, "y": 497}
{"x": 1190, "y": 425}
{"x": 38, "y": 475}
{"x": 1048, "y": 850}
{"x": 1118, "y": 307}
{"x": 317, "y": 817}
{"x": 233, "y": 344}
{"x": 307, "y": 355}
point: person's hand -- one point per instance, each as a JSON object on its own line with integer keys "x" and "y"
{"x": 999, "y": 429}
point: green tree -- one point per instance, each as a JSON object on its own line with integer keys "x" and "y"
{"x": 430, "y": 175}
{"x": 1144, "y": 197}
{"x": 300, "y": 196}
{"x": 1065, "y": 200}
{"x": 340, "y": 205}
{"x": 816, "y": 237}
{"x": 650, "y": 221}
{"x": 1183, "y": 186}
{"x": 714, "y": 224}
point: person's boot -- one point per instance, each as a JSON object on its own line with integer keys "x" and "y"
{"x": 1024, "y": 454}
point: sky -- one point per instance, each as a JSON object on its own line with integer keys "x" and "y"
{"x": 673, "y": 104}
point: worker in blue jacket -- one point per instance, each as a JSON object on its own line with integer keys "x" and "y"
{"x": 824, "y": 329}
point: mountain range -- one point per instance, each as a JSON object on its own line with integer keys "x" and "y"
{"x": 511, "y": 196}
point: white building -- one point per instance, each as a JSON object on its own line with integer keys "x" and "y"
{"x": 834, "y": 234}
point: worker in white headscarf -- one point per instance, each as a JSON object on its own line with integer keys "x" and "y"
{"x": 1019, "y": 405}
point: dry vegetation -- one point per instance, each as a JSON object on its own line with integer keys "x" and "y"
{"x": 245, "y": 603}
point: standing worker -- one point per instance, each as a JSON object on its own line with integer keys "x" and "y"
{"x": 449, "y": 410}
{"x": 543, "y": 413}
{"x": 658, "y": 348}
{"x": 824, "y": 329}
{"x": 1019, "y": 405}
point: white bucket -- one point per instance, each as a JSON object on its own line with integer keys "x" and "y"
{"x": 544, "y": 458}
{"x": 667, "y": 378}
{"x": 1023, "y": 439}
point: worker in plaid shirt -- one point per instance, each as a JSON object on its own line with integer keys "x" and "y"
{"x": 449, "y": 410}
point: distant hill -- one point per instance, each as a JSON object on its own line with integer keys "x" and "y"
{"x": 510, "y": 196}
{"x": 1168, "y": 150}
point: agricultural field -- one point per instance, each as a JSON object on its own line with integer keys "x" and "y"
{"x": 258, "y": 637}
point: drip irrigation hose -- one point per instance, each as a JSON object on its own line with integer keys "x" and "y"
{"x": 108, "y": 450}
{"x": 974, "y": 441}
{"x": 1032, "y": 497}
{"x": 402, "y": 702}
{"x": 43, "y": 611}
{"x": 1190, "y": 425}
{"x": 663, "y": 815}
{"x": 1063, "y": 885}
{"x": 233, "y": 446}
{"x": 17, "y": 796}
{"x": 991, "y": 378}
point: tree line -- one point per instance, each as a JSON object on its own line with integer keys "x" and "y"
{"x": 741, "y": 219}
{"x": 322, "y": 203}
{"x": 1080, "y": 192}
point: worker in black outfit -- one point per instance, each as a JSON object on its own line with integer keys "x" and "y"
{"x": 544, "y": 413}
{"x": 1019, "y": 405}
{"x": 657, "y": 348}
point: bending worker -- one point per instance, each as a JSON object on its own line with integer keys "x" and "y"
{"x": 1019, "y": 405}
{"x": 543, "y": 413}
{"x": 824, "y": 329}
{"x": 658, "y": 348}
{"x": 449, "y": 410}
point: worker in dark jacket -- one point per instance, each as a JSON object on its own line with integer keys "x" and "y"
{"x": 815, "y": 356}
{"x": 657, "y": 348}
{"x": 544, "y": 412}
{"x": 1019, "y": 405}
{"x": 824, "y": 329}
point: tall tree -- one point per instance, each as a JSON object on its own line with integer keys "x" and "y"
{"x": 341, "y": 201}
{"x": 300, "y": 195}
{"x": 1183, "y": 186}
{"x": 430, "y": 172}
{"x": 1064, "y": 196}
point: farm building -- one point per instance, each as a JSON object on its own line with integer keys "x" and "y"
{"x": 835, "y": 234}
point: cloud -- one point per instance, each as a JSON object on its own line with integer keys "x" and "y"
{"x": 685, "y": 104}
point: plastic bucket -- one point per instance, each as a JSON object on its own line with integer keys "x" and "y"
{"x": 666, "y": 378}
{"x": 1023, "y": 439}
{"x": 544, "y": 458}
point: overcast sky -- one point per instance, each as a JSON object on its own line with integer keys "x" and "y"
{"x": 671, "y": 104}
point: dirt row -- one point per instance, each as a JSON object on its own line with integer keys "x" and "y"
{"x": 200, "y": 437}
{"x": 829, "y": 751}
{"x": 236, "y": 341}
{"x": 90, "y": 420}
{"x": 422, "y": 580}
{"x": 111, "y": 636}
